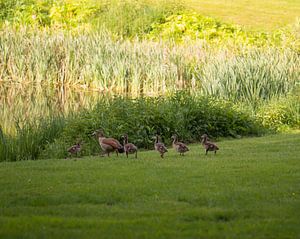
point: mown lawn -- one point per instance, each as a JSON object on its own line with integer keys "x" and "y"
{"x": 250, "y": 189}
{"x": 254, "y": 14}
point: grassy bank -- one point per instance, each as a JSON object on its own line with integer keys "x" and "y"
{"x": 248, "y": 190}
{"x": 135, "y": 17}
{"x": 260, "y": 15}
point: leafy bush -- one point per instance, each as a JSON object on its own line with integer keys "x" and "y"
{"x": 7, "y": 9}
{"x": 142, "y": 118}
{"x": 134, "y": 18}
{"x": 281, "y": 113}
{"x": 192, "y": 26}
{"x": 155, "y": 20}
{"x": 125, "y": 18}
{"x": 61, "y": 14}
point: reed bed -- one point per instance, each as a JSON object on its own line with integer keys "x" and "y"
{"x": 93, "y": 61}
{"x": 62, "y": 60}
{"x": 253, "y": 77}
{"x": 31, "y": 139}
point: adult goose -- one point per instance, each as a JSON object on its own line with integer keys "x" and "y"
{"x": 108, "y": 145}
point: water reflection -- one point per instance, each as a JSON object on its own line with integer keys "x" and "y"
{"x": 19, "y": 105}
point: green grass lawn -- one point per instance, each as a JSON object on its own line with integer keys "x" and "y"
{"x": 250, "y": 189}
{"x": 254, "y": 14}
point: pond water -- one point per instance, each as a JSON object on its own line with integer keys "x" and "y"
{"x": 19, "y": 106}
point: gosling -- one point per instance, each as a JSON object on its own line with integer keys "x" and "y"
{"x": 209, "y": 146}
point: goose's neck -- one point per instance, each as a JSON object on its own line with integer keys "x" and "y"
{"x": 156, "y": 140}
{"x": 100, "y": 138}
{"x": 125, "y": 141}
{"x": 175, "y": 140}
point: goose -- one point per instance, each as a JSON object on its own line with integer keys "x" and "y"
{"x": 108, "y": 145}
{"x": 181, "y": 148}
{"x": 160, "y": 147}
{"x": 129, "y": 148}
{"x": 75, "y": 149}
{"x": 209, "y": 146}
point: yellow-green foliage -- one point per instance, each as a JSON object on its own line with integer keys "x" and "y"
{"x": 72, "y": 13}
{"x": 61, "y": 13}
{"x": 155, "y": 20}
{"x": 193, "y": 26}
{"x": 126, "y": 18}
{"x": 266, "y": 15}
{"x": 281, "y": 113}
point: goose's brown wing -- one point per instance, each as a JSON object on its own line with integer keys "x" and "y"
{"x": 182, "y": 146}
{"x": 161, "y": 147}
{"x": 212, "y": 146}
{"x": 130, "y": 147}
{"x": 112, "y": 142}
{"x": 73, "y": 148}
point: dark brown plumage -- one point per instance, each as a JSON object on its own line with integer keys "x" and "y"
{"x": 75, "y": 149}
{"x": 181, "y": 148}
{"x": 129, "y": 148}
{"x": 160, "y": 147}
{"x": 209, "y": 146}
{"x": 108, "y": 145}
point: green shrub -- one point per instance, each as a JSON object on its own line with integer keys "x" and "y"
{"x": 46, "y": 13}
{"x": 134, "y": 18}
{"x": 155, "y": 20}
{"x": 281, "y": 113}
{"x": 7, "y": 9}
{"x": 185, "y": 26}
{"x": 192, "y": 26}
{"x": 124, "y": 18}
{"x": 142, "y": 118}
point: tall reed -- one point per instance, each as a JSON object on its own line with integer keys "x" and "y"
{"x": 251, "y": 77}
{"x": 30, "y": 139}
{"x": 96, "y": 61}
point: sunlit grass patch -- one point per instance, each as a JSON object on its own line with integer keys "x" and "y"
{"x": 249, "y": 187}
